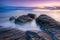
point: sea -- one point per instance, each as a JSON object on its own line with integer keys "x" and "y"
{"x": 5, "y": 15}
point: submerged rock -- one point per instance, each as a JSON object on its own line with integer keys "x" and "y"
{"x": 47, "y": 22}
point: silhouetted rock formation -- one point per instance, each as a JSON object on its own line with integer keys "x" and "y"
{"x": 25, "y": 18}
{"x": 47, "y": 22}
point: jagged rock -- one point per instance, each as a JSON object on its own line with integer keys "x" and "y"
{"x": 47, "y": 22}
{"x": 25, "y": 18}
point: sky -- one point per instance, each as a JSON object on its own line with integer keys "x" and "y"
{"x": 30, "y": 3}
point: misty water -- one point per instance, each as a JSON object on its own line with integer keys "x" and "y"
{"x": 4, "y": 19}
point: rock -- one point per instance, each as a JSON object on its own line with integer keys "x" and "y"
{"x": 47, "y": 22}
{"x": 56, "y": 32}
{"x": 12, "y": 18}
{"x": 0, "y": 26}
{"x": 32, "y": 16}
{"x": 31, "y": 35}
{"x": 49, "y": 25}
{"x": 14, "y": 34}
{"x": 23, "y": 19}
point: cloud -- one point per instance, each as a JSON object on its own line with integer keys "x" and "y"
{"x": 30, "y": 3}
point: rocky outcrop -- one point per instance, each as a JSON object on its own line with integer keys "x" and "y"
{"x": 47, "y": 22}
{"x": 49, "y": 25}
{"x": 14, "y": 34}
{"x": 56, "y": 32}
{"x": 25, "y": 18}
{"x": 37, "y": 35}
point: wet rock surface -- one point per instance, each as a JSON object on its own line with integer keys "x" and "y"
{"x": 14, "y": 34}
{"x": 11, "y": 34}
{"x": 56, "y": 32}
{"x": 25, "y": 18}
{"x": 49, "y": 27}
{"x": 49, "y": 24}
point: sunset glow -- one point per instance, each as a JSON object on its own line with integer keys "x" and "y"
{"x": 41, "y": 10}
{"x": 31, "y": 3}
{"x": 42, "y": 5}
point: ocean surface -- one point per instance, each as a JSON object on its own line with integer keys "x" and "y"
{"x": 4, "y": 19}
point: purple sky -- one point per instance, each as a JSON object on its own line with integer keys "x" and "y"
{"x": 30, "y": 3}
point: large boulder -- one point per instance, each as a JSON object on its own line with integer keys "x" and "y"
{"x": 49, "y": 25}
{"x": 25, "y": 18}
{"x": 47, "y": 22}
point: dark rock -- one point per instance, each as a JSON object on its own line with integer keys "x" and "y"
{"x": 12, "y": 18}
{"x": 56, "y": 32}
{"x": 14, "y": 34}
{"x": 49, "y": 25}
{"x": 31, "y": 35}
{"x": 47, "y": 22}
{"x": 32, "y": 15}
{"x": 23, "y": 19}
{"x": 0, "y": 26}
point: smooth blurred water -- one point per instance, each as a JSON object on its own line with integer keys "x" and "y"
{"x": 4, "y": 19}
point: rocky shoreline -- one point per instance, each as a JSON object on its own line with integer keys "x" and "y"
{"x": 13, "y": 34}
{"x": 50, "y": 29}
